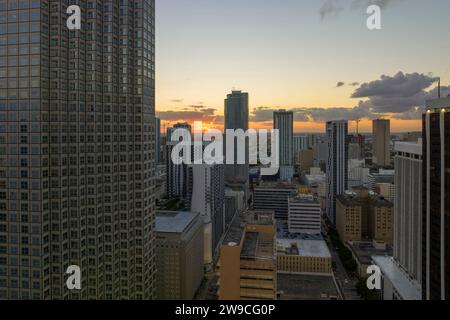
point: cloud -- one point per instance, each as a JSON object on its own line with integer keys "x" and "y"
{"x": 332, "y": 8}
{"x": 189, "y": 114}
{"x": 354, "y": 84}
{"x": 177, "y": 100}
{"x": 401, "y": 96}
{"x": 340, "y": 84}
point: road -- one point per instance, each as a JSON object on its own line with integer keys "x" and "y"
{"x": 345, "y": 282}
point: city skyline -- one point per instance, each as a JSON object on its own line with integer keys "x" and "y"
{"x": 301, "y": 75}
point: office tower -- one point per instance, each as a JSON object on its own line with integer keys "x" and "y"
{"x": 300, "y": 142}
{"x": 305, "y": 215}
{"x": 234, "y": 203}
{"x": 179, "y": 254}
{"x": 381, "y": 142}
{"x": 321, "y": 155}
{"x": 237, "y": 117}
{"x": 436, "y": 202}
{"x": 408, "y": 208}
{"x": 354, "y": 151}
{"x": 248, "y": 268}
{"x": 337, "y": 170}
{"x": 274, "y": 197}
{"x": 299, "y": 256}
{"x": 305, "y": 160}
{"x": 77, "y": 176}
{"x": 176, "y": 175}
{"x": 358, "y": 174}
{"x": 157, "y": 140}
{"x": 208, "y": 198}
{"x": 284, "y": 122}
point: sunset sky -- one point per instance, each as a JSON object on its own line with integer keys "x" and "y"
{"x": 315, "y": 57}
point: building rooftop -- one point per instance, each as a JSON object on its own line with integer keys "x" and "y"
{"x": 258, "y": 246}
{"x": 306, "y": 287}
{"x": 276, "y": 185}
{"x": 364, "y": 250}
{"x": 242, "y": 219}
{"x": 173, "y": 221}
{"x": 409, "y": 147}
{"x": 406, "y": 287}
{"x": 348, "y": 200}
{"x": 303, "y": 198}
{"x": 303, "y": 248}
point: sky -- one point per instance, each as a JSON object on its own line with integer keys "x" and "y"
{"x": 314, "y": 57}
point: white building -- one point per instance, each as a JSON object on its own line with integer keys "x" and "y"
{"x": 337, "y": 170}
{"x": 208, "y": 198}
{"x": 305, "y": 215}
{"x": 358, "y": 174}
{"x": 408, "y": 207}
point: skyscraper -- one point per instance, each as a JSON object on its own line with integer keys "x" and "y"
{"x": 76, "y": 180}
{"x": 237, "y": 117}
{"x": 408, "y": 208}
{"x": 436, "y": 202}
{"x": 337, "y": 169}
{"x": 207, "y": 194}
{"x": 176, "y": 174}
{"x": 381, "y": 142}
{"x": 157, "y": 140}
{"x": 284, "y": 122}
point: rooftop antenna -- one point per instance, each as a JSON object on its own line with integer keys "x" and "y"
{"x": 439, "y": 88}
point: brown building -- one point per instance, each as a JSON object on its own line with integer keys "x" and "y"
{"x": 348, "y": 218}
{"x": 179, "y": 254}
{"x": 247, "y": 258}
{"x": 361, "y": 216}
{"x": 381, "y": 142}
{"x": 305, "y": 160}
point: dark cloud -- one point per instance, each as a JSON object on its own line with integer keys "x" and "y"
{"x": 354, "y": 84}
{"x": 330, "y": 8}
{"x": 189, "y": 114}
{"x": 177, "y": 100}
{"x": 340, "y": 84}
{"x": 401, "y": 96}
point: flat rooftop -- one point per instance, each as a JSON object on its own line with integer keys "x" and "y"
{"x": 406, "y": 287}
{"x": 364, "y": 251}
{"x": 242, "y": 219}
{"x": 173, "y": 221}
{"x": 306, "y": 248}
{"x": 258, "y": 246}
{"x": 306, "y": 287}
{"x": 409, "y": 147}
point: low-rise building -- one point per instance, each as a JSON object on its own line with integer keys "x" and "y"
{"x": 303, "y": 256}
{"x": 247, "y": 258}
{"x": 274, "y": 197}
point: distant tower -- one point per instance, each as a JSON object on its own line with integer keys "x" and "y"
{"x": 284, "y": 122}
{"x": 381, "y": 142}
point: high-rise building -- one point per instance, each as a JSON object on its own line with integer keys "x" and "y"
{"x": 381, "y": 142}
{"x": 284, "y": 122}
{"x": 237, "y": 117}
{"x": 76, "y": 179}
{"x": 337, "y": 170}
{"x": 248, "y": 266}
{"x": 157, "y": 140}
{"x": 408, "y": 208}
{"x": 176, "y": 174}
{"x": 436, "y": 202}
{"x": 207, "y": 194}
{"x": 300, "y": 142}
{"x": 179, "y": 254}
{"x": 305, "y": 215}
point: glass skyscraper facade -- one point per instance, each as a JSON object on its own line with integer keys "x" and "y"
{"x": 77, "y": 132}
